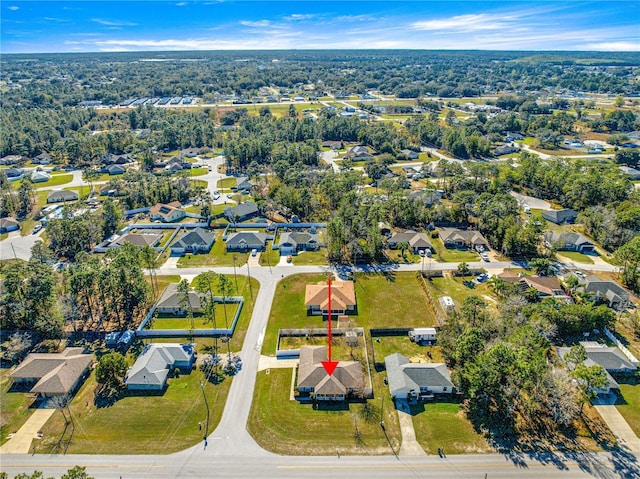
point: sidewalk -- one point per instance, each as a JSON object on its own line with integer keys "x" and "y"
{"x": 20, "y": 443}
{"x": 619, "y": 427}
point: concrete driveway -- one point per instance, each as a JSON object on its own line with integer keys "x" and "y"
{"x": 410, "y": 446}
{"x": 20, "y": 443}
{"x": 619, "y": 427}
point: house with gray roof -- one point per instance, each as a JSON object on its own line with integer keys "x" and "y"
{"x": 428, "y": 197}
{"x": 346, "y": 381}
{"x": 416, "y": 381}
{"x": 243, "y": 184}
{"x": 359, "y": 153}
{"x": 157, "y": 360}
{"x": 607, "y": 291}
{"x": 115, "y": 170}
{"x": 568, "y": 241}
{"x": 195, "y": 241}
{"x": 54, "y": 374}
{"x": 14, "y": 174}
{"x": 42, "y": 159}
{"x": 40, "y": 176}
{"x": 417, "y": 241}
{"x": 171, "y": 303}
{"x": 241, "y": 212}
{"x": 559, "y": 217}
{"x": 610, "y": 358}
{"x": 632, "y": 173}
{"x": 244, "y": 241}
{"x": 292, "y": 242}
{"x": 137, "y": 239}
{"x": 10, "y": 159}
{"x": 61, "y": 195}
{"x": 8, "y": 224}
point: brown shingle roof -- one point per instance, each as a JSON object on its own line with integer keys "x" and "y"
{"x": 311, "y": 372}
{"x": 343, "y": 295}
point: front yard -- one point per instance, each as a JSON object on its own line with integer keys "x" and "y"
{"x": 629, "y": 407}
{"x": 16, "y": 406}
{"x": 575, "y": 257}
{"x": 288, "y": 427}
{"x": 456, "y": 289}
{"x": 216, "y": 257}
{"x": 448, "y": 255}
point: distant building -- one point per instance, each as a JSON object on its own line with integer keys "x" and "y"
{"x": 40, "y": 176}
{"x": 61, "y": 195}
{"x": 359, "y": 153}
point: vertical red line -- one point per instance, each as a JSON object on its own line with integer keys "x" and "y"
{"x": 329, "y": 330}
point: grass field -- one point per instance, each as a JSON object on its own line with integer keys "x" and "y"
{"x": 386, "y": 345}
{"x": 216, "y": 257}
{"x": 199, "y": 171}
{"x": 444, "y": 425}
{"x": 576, "y": 257}
{"x": 630, "y": 409}
{"x": 455, "y": 288}
{"x": 452, "y": 255}
{"x": 199, "y": 322}
{"x": 311, "y": 257}
{"x": 16, "y": 406}
{"x": 137, "y": 423}
{"x": 395, "y": 300}
{"x": 55, "y": 180}
{"x": 227, "y": 183}
{"x": 287, "y": 427}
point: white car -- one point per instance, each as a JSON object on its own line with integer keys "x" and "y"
{"x": 254, "y": 252}
{"x": 484, "y": 256}
{"x": 216, "y": 196}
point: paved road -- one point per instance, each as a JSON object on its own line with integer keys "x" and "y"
{"x": 204, "y": 464}
{"x": 18, "y": 246}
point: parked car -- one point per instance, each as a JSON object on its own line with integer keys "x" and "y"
{"x": 485, "y": 257}
{"x": 289, "y": 259}
{"x": 37, "y": 228}
{"x": 482, "y": 277}
{"x": 254, "y": 252}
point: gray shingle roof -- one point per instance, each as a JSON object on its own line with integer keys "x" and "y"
{"x": 406, "y": 376}
{"x": 243, "y": 209}
{"x": 296, "y": 238}
{"x": 62, "y": 195}
{"x": 153, "y": 365}
{"x": 246, "y": 237}
{"x": 197, "y": 237}
{"x": 170, "y": 299}
{"x": 568, "y": 237}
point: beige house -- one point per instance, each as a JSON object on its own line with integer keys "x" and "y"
{"x": 54, "y": 374}
{"x": 343, "y": 298}
{"x": 169, "y": 213}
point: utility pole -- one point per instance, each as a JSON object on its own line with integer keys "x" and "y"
{"x": 249, "y": 274}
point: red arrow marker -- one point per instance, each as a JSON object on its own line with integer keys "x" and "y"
{"x": 329, "y": 365}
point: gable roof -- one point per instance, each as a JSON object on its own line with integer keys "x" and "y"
{"x": 247, "y": 237}
{"x": 165, "y": 210}
{"x": 455, "y": 235}
{"x": 243, "y": 209}
{"x": 56, "y": 372}
{"x": 568, "y": 237}
{"x": 609, "y": 357}
{"x": 406, "y": 376}
{"x": 415, "y": 239}
{"x": 153, "y": 365}
{"x": 62, "y": 195}
{"x": 196, "y": 237}
{"x": 605, "y": 288}
{"x": 343, "y": 295}
{"x": 8, "y": 222}
{"x": 311, "y": 373}
{"x": 170, "y": 298}
{"x": 296, "y": 238}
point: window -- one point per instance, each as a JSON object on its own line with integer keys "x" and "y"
{"x": 444, "y": 388}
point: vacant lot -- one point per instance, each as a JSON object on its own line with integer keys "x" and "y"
{"x": 384, "y": 301}
{"x": 386, "y": 345}
{"x": 576, "y": 257}
{"x": 458, "y": 291}
{"x": 288, "y": 427}
{"x": 137, "y": 423}
{"x": 199, "y": 321}
{"x": 445, "y": 425}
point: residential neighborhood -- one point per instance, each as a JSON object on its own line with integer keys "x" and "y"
{"x": 377, "y": 261}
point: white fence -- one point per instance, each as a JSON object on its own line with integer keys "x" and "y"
{"x": 622, "y": 347}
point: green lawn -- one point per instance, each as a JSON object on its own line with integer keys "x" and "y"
{"x": 310, "y": 258}
{"x": 199, "y": 322}
{"x": 199, "y": 171}
{"x": 576, "y": 257}
{"x": 631, "y": 410}
{"x": 55, "y": 180}
{"x": 287, "y": 427}
{"x": 16, "y": 406}
{"x": 83, "y": 191}
{"x": 138, "y": 423}
{"x": 455, "y": 288}
{"x": 227, "y": 183}
{"x": 452, "y": 255}
{"x": 445, "y": 425}
{"x": 216, "y": 257}
{"x": 396, "y": 300}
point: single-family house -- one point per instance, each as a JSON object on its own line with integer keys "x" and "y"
{"x": 416, "y": 381}
{"x": 111, "y": 159}
{"x": 244, "y": 241}
{"x": 346, "y": 381}
{"x": 560, "y": 216}
{"x": 607, "y": 291}
{"x": 195, "y": 241}
{"x": 171, "y": 302}
{"x": 359, "y": 153}
{"x": 459, "y": 238}
{"x": 167, "y": 213}
{"x": 40, "y": 176}
{"x": 410, "y": 154}
{"x": 190, "y": 152}
{"x": 343, "y": 298}
{"x": 115, "y": 170}
{"x": 506, "y": 150}
{"x": 632, "y": 173}
{"x": 241, "y": 212}
{"x": 610, "y": 358}
{"x": 137, "y": 239}
{"x": 157, "y": 360}
{"x": 13, "y": 174}
{"x": 292, "y": 242}
{"x": 568, "y": 241}
{"x": 514, "y": 135}
{"x": 61, "y": 195}
{"x": 334, "y": 145}
{"x": 417, "y": 241}
{"x": 243, "y": 184}
{"x": 545, "y": 285}
{"x": 8, "y": 224}
{"x": 42, "y": 159}
{"x": 54, "y": 374}
{"x": 10, "y": 159}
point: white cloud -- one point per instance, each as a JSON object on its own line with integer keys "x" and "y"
{"x": 256, "y": 24}
{"x": 13, "y": 7}
{"x": 467, "y": 23}
{"x": 181, "y": 4}
{"x": 297, "y": 17}
{"x": 613, "y": 46}
{"x": 112, "y": 23}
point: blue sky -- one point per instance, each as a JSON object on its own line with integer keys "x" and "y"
{"x": 93, "y": 26}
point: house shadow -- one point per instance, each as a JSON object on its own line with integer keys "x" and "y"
{"x": 331, "y": 406}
